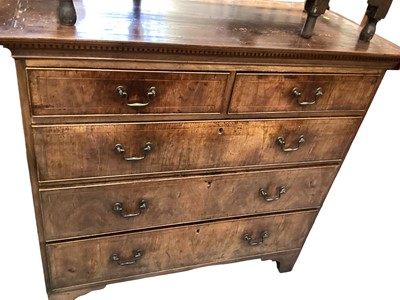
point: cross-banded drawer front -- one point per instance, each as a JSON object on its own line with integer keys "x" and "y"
{"x": 150, "y": 252}
{"x": 87, "y": 151}
{"x": 301, "y": 93}
{"x": 90, "y": 92}
{"x": 88, "y": 210}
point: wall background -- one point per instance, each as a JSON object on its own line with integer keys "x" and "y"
{"x": 351, "y": 253}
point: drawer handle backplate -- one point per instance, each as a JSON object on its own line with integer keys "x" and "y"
{"x": 120, "y": 149}
{"x": 263, "y": 236}
{"x": 117, "y": 207}
{"x": 135, "y": 257}
{"x": 151, "y": 94}
{"x": 281, "y": 142}
{"x": 264, "y": 194}
{"x": 297, "y": 94}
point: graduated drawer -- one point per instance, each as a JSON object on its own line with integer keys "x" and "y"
{"x": 166, "y": 250}
{"x": 274, "y": 93}
{"x": 88, "y": 92}
{"x": 87, "y": 151}
{"x": 88, "y": 210}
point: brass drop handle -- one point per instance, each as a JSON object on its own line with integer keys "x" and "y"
{"x": 135, "y": 257}
{"x": 263, "y": 236}
{"x": 151, "y": 94}
{"x": 120, "y": 150}
{"x": 268, "y": 198}
{"x": 297, "y": 94}
{"x": 282, "y": 142}
{"x": 117, "y": 207}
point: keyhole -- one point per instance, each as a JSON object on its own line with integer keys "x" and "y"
{"x": 209, "y": 184}
{"x": 197, "y": 231}
{"x": 220, "y": 130}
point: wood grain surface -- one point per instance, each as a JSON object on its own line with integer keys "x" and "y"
{"x": 88, "y": 210}
{"x": 89, "y": 261}
{"x": 265, "y": 93}
{"x": 84, "y": 151}
{"x": 79, "y": 92}
{"x": 235, "y": 28}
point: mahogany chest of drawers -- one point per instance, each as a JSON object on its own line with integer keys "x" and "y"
{"x": 155, "y": 150}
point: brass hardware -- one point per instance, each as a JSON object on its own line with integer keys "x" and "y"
{"x": 264, "y": 194}
{"x": 121, "y": 91}
{"x": 318, "y": 93}
{"x": 263, "y": 236}
{"x": 117, "y": 207}
{"x": 136, "y": 256}
{"x": 151, "y": 94}
{"x": 297, "y": 94}
{"x": 281, "y": 142}
{"x": 120, "y": 149}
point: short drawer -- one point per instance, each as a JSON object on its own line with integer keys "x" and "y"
{"x": 103, "y": 150}
{"x": 153, "y": 252}
{"x": 88, "y": 210}
{"x": 301, "y": 93}
{"x": 89, "y": 92}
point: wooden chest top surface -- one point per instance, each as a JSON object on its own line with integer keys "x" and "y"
{"x": 263, "y": 27}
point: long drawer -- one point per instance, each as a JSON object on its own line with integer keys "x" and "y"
{"x": 151, "y": 252}
{"x": 301, "y": 93}
{"x": 85, "y": 92}
{"x": 97, "y": 150}
{"x": 87, "y": 210}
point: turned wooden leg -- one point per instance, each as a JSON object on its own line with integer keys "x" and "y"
{"x": 72, "y": 295}
{"x": 136, "y": 9}
{"x": 284, "y": 261}
{"x": 67, "y": 12}
{"x": 314, "y": 9}
{"x": 376, "y": 11}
